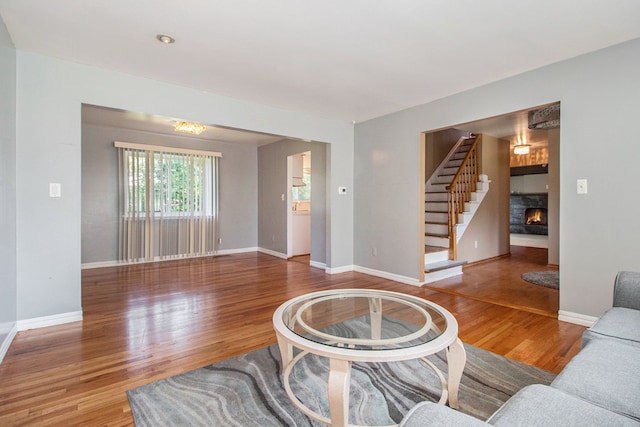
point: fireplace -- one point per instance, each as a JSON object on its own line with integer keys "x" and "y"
{"x": 535, "y": 216}
{"x": 528, "y": 213}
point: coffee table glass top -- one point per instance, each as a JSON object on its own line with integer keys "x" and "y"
{"x": 364, "y": 319}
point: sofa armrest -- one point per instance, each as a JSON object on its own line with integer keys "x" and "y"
{"x": 432, "y": 414}
{"x": 626, "y": 290}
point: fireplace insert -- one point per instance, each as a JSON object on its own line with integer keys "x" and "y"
{"x": 535, "y": 216}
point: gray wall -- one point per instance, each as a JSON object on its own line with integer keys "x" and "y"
{"x": 598, "y": 232}
{"x": 490, "y": 225}
{"x": 553, "y": 214}
{"x": 238, "y": 194}
{"x": 50, "y": 94}
{"x": 8, "y": 283}
{"x": 438, "y": 145}
{"x": 272, "y": 183}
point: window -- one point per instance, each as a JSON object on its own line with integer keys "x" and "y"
{"x": 180, "y": 184}
{"x": 168, "y": 201}
{"x": 302, "y": 193}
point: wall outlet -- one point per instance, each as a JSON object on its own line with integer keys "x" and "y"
{"x": 342, "y": 190}
{"x": 374, "y": 251}
{"x": 475, "y": 244}
{"x": 582, "y": 186}
{"x": 220, "y": 240}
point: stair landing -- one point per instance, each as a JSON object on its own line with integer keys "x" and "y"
{"x": 438, "y": 266}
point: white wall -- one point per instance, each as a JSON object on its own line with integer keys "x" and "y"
{"x": 8, "y": 284}
{"x": 527, "y": 184}
{"x": 598, "y": 231}
{"x": 50, "y": 93}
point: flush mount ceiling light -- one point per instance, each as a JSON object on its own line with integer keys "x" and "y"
{"x": 189, "y": 127}
{"x": 521, "y": 149}
{"x": 163, "y": 38}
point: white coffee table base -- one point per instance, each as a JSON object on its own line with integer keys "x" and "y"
{"x": 342, "y": 351}
{"x": 340, "y": 376}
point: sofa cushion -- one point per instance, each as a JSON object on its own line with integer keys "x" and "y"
{"x": 617, "y": 323}
{"x": 606, "y": 373}
{"x": 540, "y": 406}
{"x": 432, "y": 414}
{"x": 626, "y": 291}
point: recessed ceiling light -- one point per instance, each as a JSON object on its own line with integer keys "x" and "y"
{"x": 165, "y": 39}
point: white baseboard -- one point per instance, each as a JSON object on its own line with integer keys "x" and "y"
{"x": 43, "y": 322}
{"x": 577, "y": 318}
{"x": 90, "y": 265}
{"x": 316, "y": 264}
{"x": 236, "y": 251}
{"x": 273, "y": 253}
{"x": 100, "y": 264}
{"x": 338, "y": 270}
{"x": 391, "y": 276}
{"x": 4, "y": 346}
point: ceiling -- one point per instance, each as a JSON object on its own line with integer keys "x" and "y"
{"x": 346, "y": 60}
{"x": 100, "y": 116}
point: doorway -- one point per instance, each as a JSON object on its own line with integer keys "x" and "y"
{"x": 532, "y": 152}
{"x": 299, "y": 183}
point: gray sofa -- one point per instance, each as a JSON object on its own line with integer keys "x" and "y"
{"x": 600, "y": 386}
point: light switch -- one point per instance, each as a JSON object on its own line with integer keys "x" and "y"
{"x": 582, "y": 186}
{"x": 55, "y": 189}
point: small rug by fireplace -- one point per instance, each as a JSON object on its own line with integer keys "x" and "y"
{"x": 548, "y": 279}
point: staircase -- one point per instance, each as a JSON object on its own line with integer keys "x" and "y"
{"x": 452, "y": 196}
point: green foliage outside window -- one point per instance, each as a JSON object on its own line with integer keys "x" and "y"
{"x": 303, "y": 193}
{"x": 177, "y": 184}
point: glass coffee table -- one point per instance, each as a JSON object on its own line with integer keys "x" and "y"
{"x": 363, "y": 325}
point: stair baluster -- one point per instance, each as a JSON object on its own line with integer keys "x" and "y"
{"x": 459, "y": 192}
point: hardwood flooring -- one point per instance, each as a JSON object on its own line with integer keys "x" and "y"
{"x": 499, "y": 282}
{"x": 147, "y": 322}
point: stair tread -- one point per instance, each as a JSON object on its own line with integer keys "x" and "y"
{"x": 446, "y": 236}
{"x": 442, "y": 265}
{"x": 428, "y": 249}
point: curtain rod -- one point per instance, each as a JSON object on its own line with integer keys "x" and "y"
{"x": 134, "y": 146}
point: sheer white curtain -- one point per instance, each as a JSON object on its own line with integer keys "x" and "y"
{"x": 168, "y": 202}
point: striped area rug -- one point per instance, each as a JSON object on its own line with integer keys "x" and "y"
{"x": 247, "y": 390}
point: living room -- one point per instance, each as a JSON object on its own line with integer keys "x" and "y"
{"x": 376, "y": 159}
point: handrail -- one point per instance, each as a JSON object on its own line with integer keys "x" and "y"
{"x": 459, "y": 192}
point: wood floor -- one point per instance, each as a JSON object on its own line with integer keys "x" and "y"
{"x": 148, "y": 322}
{"x": 499, "y": 282}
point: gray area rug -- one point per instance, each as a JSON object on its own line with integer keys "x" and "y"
{"x": 247, "y": 390}
{"x": 548, "y": 279}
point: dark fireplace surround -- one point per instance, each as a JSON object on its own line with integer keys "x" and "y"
{"x": 528, "y": 213}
